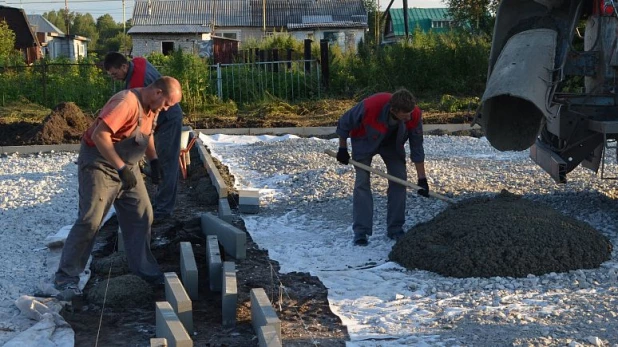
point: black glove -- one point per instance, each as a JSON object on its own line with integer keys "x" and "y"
{"x": 156, "y": 172}
{"x": 424, "y": 191}
{"x": 127, "y": 177}
{"x": 343, "y": 156}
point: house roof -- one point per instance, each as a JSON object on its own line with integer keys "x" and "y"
{"x": 40, "y": 24}
{"x": 18, "y": 22}
{"x": 421, "y": 17}
{"x": 193, "y": 12}
{"x": 249, "y": 13}
{"x": 282, "y": 13}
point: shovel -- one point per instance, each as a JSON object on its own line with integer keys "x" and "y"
{"x": 391, "y": 177}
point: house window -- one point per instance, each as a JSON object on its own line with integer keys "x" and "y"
{"x": 331, "y": 36}
{"x": 438, "y": 24}
{"x": 230, "y": 36}
{"x": 167, "y": 47}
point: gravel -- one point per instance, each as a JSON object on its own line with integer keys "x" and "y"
{"x": 38, "y": 196}
{"x": 571, "y": 308}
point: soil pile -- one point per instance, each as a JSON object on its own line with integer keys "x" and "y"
{"x": 65, "y": 124}
{"x": 504, "y": 236}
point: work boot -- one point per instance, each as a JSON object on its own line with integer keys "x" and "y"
{"x": 360, "y": 240}
{"x": 396, "y": 235}
{"x": 68, "y": 291}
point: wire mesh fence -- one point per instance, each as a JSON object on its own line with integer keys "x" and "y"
{"x": 88, "y": 85}
{"x": 287, "y": 80}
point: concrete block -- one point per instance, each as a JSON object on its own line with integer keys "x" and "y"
{"x": 229, "y": 294}
{"x": 249, "y": 200}
{"x": 215, "y": 264}
{"x": 177, "y": 297}
{"x": 211, "y": 168}
{"x": 120, "y": 241}
{"x": 169, "y": 326}
{"x": 158, "y": 342}
{"x": 233, "y": 240}
{"x": 262, "y": 312}
{"x": 267, "y": 337}
{"x": 188, "y": 270}
{"x": 225, "y": 212}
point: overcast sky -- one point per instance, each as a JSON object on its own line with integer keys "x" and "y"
{"x": 98, "y": 8}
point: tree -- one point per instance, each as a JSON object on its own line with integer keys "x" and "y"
{"x": 476, "y": 13}
{"x": 7, "y": 42}
{"x": 84, "y": 25}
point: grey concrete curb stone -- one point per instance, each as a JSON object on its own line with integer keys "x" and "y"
{"x": 229, "y": 294}
{"x": 306, "y": 131}
{"x": 262, "y": 312}
{"x": 177, "y": 297}
{"x": 213, "y": 172}
{"x": 170, "y": 327}
{"x": 267, "y": 337}
{"x": 215, "y": 264}
{"x": 233, "y": 240}
{"x": 188, "y": 270}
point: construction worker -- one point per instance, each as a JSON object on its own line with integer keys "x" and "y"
{"x": 380, "y": 124}
{"x": 108, "y": 173}
{"x": 139, "y": 73}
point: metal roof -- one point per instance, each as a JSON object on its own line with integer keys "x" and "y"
{"x": 42, "y": 25}
{"x": 178, "y": 28}
{"x": 421, "y": 17}
{"x": 194, "y": 12}
{"x": 281, "y": 13}
{"x": 245, "y": 13}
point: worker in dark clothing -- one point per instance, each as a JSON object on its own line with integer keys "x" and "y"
{"x": 139, "y": 73}
{"x": 381, "y": 124}
{"x": 108, "y": 173}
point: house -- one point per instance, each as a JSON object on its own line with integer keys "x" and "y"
{"x": 166, "y": 25}
{"x": 25, "y": 40}
{"x": 55, "y": 43}
{"x": 426, "y": 19}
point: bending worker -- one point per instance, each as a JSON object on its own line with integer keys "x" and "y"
{"x": 381, "y": 124}
{"x": 139, "y": 73}
{"x": 108, "y": 173}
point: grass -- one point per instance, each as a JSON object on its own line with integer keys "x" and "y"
{"x": 23, "y": 111}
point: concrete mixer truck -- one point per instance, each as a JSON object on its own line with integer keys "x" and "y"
{"x": 526, "y": 105}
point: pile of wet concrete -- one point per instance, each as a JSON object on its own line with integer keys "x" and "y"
{"x": 505, "y": 235}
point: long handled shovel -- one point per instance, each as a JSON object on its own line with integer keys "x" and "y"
{"x": 391, "y": 177}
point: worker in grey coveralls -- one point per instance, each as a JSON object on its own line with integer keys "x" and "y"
{"x": 108, "y": 173}
{"x": 381, "y": 124}
{"x": 139, "y": 73}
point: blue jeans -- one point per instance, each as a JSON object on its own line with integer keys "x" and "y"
{"x": 167, "y": 144}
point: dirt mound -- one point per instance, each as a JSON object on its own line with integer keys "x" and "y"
{"x": 65, "y": 124}
{"x": 503, "y": 236}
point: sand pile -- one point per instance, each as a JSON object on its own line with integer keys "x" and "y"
{"x": 505, "y": 236}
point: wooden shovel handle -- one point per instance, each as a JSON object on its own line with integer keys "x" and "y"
{"x": 391, "y": 177}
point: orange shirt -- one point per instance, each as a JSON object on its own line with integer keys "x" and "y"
{"x": 121, "y": 114}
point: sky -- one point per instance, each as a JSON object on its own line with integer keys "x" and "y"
{"x": 98, "y": 8}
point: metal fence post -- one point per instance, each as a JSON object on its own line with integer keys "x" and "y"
{"x": 219, "y": 82}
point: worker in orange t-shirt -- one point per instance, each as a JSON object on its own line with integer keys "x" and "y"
{"x": 108, "y": 173}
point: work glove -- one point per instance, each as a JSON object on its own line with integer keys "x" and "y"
{"x": 424, "y": 191}
{"x": 127, "y": 177}
{"x": 156, "y": 172}
{"x": 343, "y": 156}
